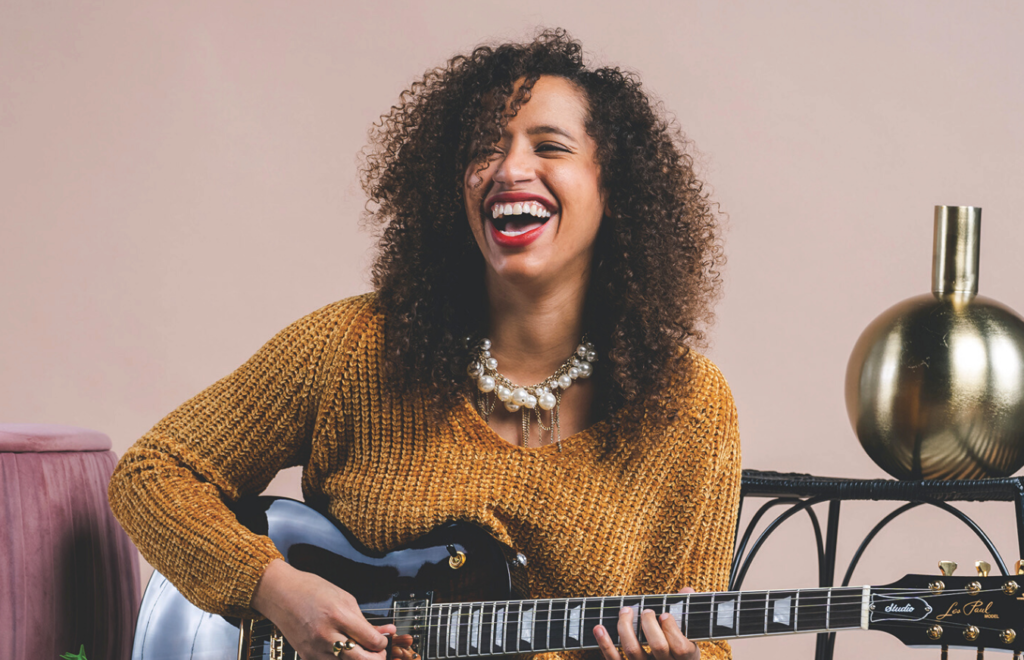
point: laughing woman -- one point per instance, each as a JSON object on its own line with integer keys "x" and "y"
{"x": 547, "y": 260}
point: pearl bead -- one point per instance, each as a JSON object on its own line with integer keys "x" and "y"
{"x": 519, "y": 396}
{"x": 589, "y": 346}
{"x": 574, "y": 373}
{"x": 547, "y": 401}
{"x": 586, "y": 369}
{"x": 475, "y": 369}
{"x": 511, "y": 407}
{"x": 504, "y": 394}
{"x": 486, "y": 354}
{"x": 591, "y": 356}
{"x": 564, "y": 381}
{"x": 485, "y": 344}
{"x": 553, "y": 384}
{"x": 531, "y": 401}
{"x": 486, "y": 383}
{"x": 491, "y": 363}
{"x": 581, "y": 350}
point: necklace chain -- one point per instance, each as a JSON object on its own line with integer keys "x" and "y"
{"x": 493, "y": 386}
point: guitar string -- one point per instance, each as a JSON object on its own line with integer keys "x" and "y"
{"x": 840, "y": 600}
{"x": 258, "y": 643}
{"x": 840, "y": 595}
{"x": 465, "y": 610}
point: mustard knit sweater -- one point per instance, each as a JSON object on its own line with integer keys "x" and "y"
{"x": 651, "y": 512}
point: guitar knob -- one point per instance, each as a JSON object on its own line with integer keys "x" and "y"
{"x": 983, "y": 568}
{"x": 947, "y": 567}
{"x": 1019, "y": 567}
{"x": 520, "y": 560}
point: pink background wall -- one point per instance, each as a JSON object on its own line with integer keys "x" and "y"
{"x": 178, "y": 182}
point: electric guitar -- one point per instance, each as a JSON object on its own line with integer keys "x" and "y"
{"x": 457, "y": 593}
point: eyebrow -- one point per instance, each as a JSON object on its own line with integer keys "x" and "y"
{"x": 535, "y": 130}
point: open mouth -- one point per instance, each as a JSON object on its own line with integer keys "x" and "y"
{"x": 517, "y": 218}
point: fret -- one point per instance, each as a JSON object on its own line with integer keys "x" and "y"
{"x": 474, "y": 631}
{"x": 698, "y": 615}
{"x": 752, "y": 618}
{"x": 640, "y": 635}
{"x": 511, "y": 632}
{"x": 767, "y": 599}
{"x": 780, "y": 613}
{"x": 526, "y": 613}
{"x": 591, "y": 617}
{"x": 559, "y": 618}
{"x": 453, "y": 631}
{"x": 811, "y": 611}
{"x": 828, "y": 609}
{"x": 723, "y": 623}
{"x": 498, "y": 634}
{"x": 574, "y": 625}
{"x": 549, "y": 616}
{"x": 711, "y": 620}
{"x": 485, "y": 629}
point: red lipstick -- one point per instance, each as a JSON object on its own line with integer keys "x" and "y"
{"x": 519, "y": 240}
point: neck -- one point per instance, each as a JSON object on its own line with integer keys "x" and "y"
{"x": 534, "y": 328}
{"x": 459, "y": 630}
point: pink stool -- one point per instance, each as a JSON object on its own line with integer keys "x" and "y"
{"x": 68, "y": 573}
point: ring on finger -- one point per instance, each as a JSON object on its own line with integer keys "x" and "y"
{"x": 338, "y": 647}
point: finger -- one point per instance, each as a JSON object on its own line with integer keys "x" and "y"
{"x": 679, "y": 646}
{"x": 604, "y": 642}
{"x": 655, "y": 635}
{"x": 687, "y": 590}
{"x": 627, "y": 635}
{"x": 355, "y": 627}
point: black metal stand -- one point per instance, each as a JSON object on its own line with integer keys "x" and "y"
{"x": 800, "y": 492}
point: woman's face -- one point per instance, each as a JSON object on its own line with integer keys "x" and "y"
{"x": 536, "y": 209}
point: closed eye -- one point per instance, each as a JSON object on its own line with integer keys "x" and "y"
{"x": 550, "y": 146}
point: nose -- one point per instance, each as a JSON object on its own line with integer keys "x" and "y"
{"x": 515, "y": 167}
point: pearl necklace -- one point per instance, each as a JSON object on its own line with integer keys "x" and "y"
{"x": 545, "y": 395}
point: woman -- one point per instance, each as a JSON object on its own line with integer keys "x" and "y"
{"x": 547, "y": 213}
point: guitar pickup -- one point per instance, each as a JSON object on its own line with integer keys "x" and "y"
{"x": 410, "y": 616}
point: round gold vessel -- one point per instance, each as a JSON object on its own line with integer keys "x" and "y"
{"x": 935, "y": 385}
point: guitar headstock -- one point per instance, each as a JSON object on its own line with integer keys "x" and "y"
{"x": 932, "y": 610}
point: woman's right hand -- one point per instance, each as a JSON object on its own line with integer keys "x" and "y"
{"x": 313, "y": 614}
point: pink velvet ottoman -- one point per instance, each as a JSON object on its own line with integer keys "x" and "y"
{"x": 68, "y": 573}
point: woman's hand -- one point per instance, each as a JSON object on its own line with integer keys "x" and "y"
{"x": 663, "y": 637}
{"x": 313, "y": 614}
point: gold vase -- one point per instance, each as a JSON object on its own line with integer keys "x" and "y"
{"x": 935, "y": 385}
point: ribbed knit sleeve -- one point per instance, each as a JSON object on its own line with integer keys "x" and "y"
{"x": 169, "y": 489}
{"x": 716, "y": 527}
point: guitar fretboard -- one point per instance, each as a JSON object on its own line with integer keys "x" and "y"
{"x": 462, "y": 630}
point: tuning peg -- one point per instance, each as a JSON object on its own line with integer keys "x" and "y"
{"x": 983, "y": 568}
{"x": 947, "y": 567}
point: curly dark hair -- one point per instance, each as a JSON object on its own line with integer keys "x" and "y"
{"x": 655, "y": 273}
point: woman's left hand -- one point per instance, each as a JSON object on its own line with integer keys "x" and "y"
{"x": 663, "y": 637}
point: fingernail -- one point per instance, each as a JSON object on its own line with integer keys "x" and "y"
{"x": 648, "y": 610}
{"x": 626, "y": 609}
{"x": 599, "y": 631}
{"x": 664, "y": 617}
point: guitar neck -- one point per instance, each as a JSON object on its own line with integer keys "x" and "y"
{"x": 459, "y": 630}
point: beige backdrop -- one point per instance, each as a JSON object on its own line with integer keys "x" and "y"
{"x": 177, "y": 183}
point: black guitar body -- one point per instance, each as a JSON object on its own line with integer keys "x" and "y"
{"x": 457, "y": 594}
{"x": 454, "y": 562}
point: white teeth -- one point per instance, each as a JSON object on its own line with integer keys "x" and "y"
{"x": 519, "y": 208}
